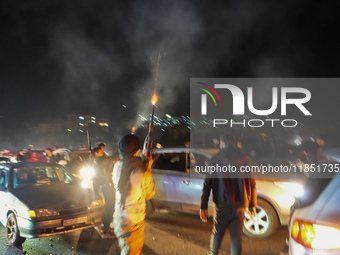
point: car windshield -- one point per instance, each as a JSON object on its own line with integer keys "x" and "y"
{"x": 39, "y": 175}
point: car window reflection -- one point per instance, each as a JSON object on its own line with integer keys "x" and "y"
{"x": 28, "y": 176}
{"x": 170, "y": 161}
{"x": 196, "y": 160}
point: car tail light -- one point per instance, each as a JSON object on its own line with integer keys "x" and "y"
{"x": 31, "y": 213}
{"x": 315, "y": 236}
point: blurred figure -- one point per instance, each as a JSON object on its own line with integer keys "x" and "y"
{"x": 35, "y": 176}
{"x": 95, "y": 157}
{"x": 50, "y": 157}
{"x": 21, "y": 157}
{"x": 321, "y": 144}
{"x": 34, "y": 157}
{"x": 115, "y": 154}
{"x": 102, "y": 147}
{"x": 102, "y": 182}
{"x": 311, "y": 153}
{"x": 232, "y": 196}
{"x": 22, "y": 178}
{"x": 216, "y": 143}
{"x": 133, "y": 183}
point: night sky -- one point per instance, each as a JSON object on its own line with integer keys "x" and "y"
{"x": 92, "y": 57}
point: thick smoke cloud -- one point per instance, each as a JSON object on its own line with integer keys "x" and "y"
{"x": 95, "y": 56}
{"x": 163, "y": 38}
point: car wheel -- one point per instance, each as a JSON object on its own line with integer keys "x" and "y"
{"x": 263, "y": 224}
{"x": 149, "y": 208}
{"x": 12, "y": 231}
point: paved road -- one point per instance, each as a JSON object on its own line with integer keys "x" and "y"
{"x": 166, "y": 233}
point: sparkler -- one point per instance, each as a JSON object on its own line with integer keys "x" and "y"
{"x": 149, "y": 146}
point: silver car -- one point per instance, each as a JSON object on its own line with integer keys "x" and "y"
{"x": 179, "y": 188}
{"x": 41, "y": 199}
{"x": 315, "y": 223}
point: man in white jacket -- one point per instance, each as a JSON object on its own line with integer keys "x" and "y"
{"x": 133, "y": 183}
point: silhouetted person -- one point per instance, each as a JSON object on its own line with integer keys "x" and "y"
{"x": 133, "y": 183}
{"x": 232, "y": 196}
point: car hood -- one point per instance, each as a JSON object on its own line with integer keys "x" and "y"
{"x": 58, "y": 196}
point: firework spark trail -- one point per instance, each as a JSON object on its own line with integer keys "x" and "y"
{"x": 156, "y": 74}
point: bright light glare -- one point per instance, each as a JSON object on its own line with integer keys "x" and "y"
{"x": 87, "y": 172}
{"x": 325, "y": 238}
{"x": 294, "y": 189}
{"x": 285, "y": 200}
{"x": 85, "y": 184}
{"x": 298, "y": 140}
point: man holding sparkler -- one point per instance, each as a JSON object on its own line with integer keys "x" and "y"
{"x": 133, "y": 183}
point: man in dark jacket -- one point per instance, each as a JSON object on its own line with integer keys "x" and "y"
{"x": 102, "y": 181}
{"x": 233, "y": 194}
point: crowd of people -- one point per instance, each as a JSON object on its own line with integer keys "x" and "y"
{"x": 130, "y": 184}
{"x": 125, "y": 190}
{"x": 125, "y": 182}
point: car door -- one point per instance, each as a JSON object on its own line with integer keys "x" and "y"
{"x": 3, "y": 195}
{"x": 168, "y": 170}
{"x": 191, "y": 184}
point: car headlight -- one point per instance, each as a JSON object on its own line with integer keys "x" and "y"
{"x": 87, "y": 172}
{"x": 42, "y": 213}
{"x": 292, "y": 188}
{"x": 96, "y": 203}
{"x": 315, "y": 236}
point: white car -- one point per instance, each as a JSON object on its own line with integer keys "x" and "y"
{"x": 179, "y": 188}
{"x": 315, "y": 222}
{"x": 39, "y": 199}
